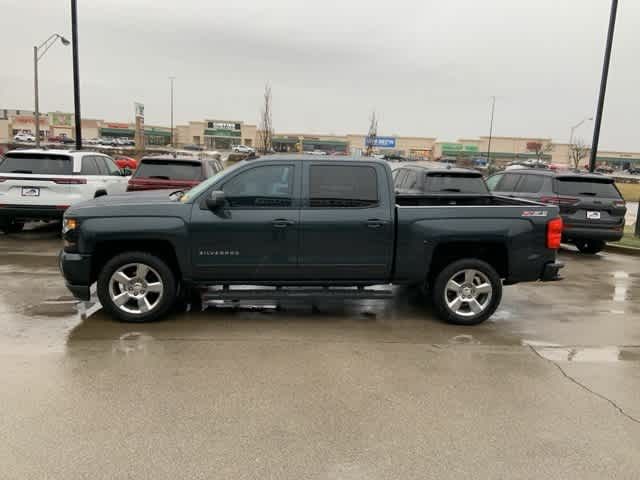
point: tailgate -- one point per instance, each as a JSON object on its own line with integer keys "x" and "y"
{"x": 50, "y": 190}
{"x": 590, "y": 202}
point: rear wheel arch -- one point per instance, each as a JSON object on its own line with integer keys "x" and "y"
{"x": 493, "y": 253}
{"x": 100, "y": 193}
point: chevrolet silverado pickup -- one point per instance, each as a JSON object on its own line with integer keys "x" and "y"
{"x": 302, "y": 223}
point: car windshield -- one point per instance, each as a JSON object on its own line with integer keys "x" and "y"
{"x": 37, "y": 163}
{"x": 578, "y": 187}
{"x": 169, "y": 170}
{"x": 444, "y": 183}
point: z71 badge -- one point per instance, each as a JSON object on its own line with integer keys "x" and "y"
{"x": 534, "y": 213}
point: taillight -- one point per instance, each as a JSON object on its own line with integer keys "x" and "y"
{"x": 554, "y": 233}
{"x": 619, "y": 203}
{"x": 559, "y": 200}
{"x": 3, "y": 179}
{"x": 70, "y": 181}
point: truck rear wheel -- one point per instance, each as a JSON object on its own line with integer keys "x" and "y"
{"x": 467, "y": 292}
{"x": 136, "y": 287}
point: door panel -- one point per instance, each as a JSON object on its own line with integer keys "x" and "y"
{"x": 346, "y": 223}
{"x": 255, "y": 236}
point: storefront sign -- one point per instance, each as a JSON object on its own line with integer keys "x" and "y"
{"x": 214, "y": 125}
{"x": 459, "y": 147}
{"x": 61, "y": 119}
{"x": 381, "y": 142}
{"x": 139, "y": 107}
{"x": 117, "y": 125}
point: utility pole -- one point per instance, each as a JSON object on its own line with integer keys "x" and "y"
{"x": 493, "y": 108}
{"x": 172, "y": 140}
{"x": 76, "y": 73}
{"x": 603, "y": 86}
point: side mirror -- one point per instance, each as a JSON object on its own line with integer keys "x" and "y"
{"x": 125, "y": 172}
{"x": 215, "y": 200}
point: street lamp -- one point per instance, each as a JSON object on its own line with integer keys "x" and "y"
{"x": 38, "y": 53}
{"x": 573, "y": 130}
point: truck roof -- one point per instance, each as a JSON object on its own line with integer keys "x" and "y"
{"x": 322, "y": 158}
{"x": 442, "y": 170}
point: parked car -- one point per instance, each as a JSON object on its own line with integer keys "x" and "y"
{"x": 193, "y": 147}
{"x": 243, "y": 149}
{"x": 126, "y": 162}
{"x": 42, "y": 184}
{"x": 418, "y": 179}
{"x": 164, "y": 172}
{"x": 24, "y": 137}
{"x": 67, "y": 140}
{"x": 591, "y": 206}
{"x": 298, "y": 221}
{"x": 634, "y": 170}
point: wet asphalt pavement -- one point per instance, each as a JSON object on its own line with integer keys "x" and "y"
{"x": 548, "y": 388}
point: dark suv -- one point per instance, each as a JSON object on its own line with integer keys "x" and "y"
{"x": 169, "y": 172}
{"x": 591, "y": 206}
{"x": 419, "y": 179}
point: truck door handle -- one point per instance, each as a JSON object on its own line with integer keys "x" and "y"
{"x": 375, "y": 223}
{"x": 282, "y": 223}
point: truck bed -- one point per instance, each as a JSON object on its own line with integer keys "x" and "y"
{"x": 460, "y": 199}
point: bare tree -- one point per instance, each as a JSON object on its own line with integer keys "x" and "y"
{"x": 577, "y": 151}
{"x": 539, "y": 149}
{"x": 372, "y": 135}
{"x": 265, "y": 133}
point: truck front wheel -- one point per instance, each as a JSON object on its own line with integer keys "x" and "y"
{"x": 136, "y": 287}
{"x": 467, "y": 292}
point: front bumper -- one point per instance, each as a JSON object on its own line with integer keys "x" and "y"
{"x": 76, "y": 270}
{"x": 551, "y": 272}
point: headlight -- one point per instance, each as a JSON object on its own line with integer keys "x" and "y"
{"x": 69, "y": 224}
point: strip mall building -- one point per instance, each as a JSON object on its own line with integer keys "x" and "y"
{"x": 220, "y": 134}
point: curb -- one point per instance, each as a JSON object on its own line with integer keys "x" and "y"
{"x": 621, "y": 249}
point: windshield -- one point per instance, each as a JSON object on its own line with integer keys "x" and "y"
{"x": 203, "y": 186}
{"x": 37, "y": 163}
{"x": 455, "y": 184}
{"x": 169, "y": 170}
{"x": 580, "y": 187}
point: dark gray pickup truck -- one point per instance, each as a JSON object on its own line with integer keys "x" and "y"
{"x": 305, "y": 226}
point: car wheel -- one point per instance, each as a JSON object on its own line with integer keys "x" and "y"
{"x": 467, "y": 292}
{"x": 136, "y": 287}
{"x": 590, "y": 247}
{"x": 11, "y": 226}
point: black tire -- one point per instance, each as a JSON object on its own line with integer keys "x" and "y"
{"x": 590, "y": 247}
{"x": 452, "y": 271}
{"x": 162, "y": 303}
{"x": 11, "y": 226}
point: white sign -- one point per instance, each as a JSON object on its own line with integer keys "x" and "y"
{"x": 223, "y": 126}
{"x": 139, "y": 110}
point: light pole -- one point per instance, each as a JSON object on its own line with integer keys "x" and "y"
{"x": 172, "y": 79}
{"x": 38, "y": 53}
{"x": 493, "y": 108}
{"x": 603, "y": 85}
{"x": 573, "y": 129}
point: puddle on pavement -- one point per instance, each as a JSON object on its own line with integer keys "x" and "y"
{"x": 132, "y": 342}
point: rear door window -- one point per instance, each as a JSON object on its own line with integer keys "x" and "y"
{"x": 411, "y": 182}
{"x": 110, "y": 165}
{"x": 89, "y": 166}
{"x": 400, "y": 176}
{"x": 342, "y": 186}
{"x": 493, "y": 181}
{"x": 37, "y": 164}
{"x": 169, "y": 170}
{"x": 446, "y": 183}
{"x": 530, "y": 184}
{"x": 508, "y": 182}
{"x": 586, "y": 187}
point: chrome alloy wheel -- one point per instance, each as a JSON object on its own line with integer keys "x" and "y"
{"x": 136, "y": 288}
{"x": 468, "y": 293}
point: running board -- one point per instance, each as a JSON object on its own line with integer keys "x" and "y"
{"x": 288, "y": 293}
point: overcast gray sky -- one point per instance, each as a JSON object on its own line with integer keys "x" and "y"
{"x": 427, "y": 67}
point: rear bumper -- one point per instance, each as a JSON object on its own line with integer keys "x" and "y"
{"x": 76, "y": 270}
{"x": 551, "y": 272}
{"x": 32, "y": 212}
{"x": 586, "y": 233}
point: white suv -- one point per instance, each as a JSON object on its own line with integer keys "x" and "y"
{"x": 243, "y": 149}
{"x": 41, "y": 184}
